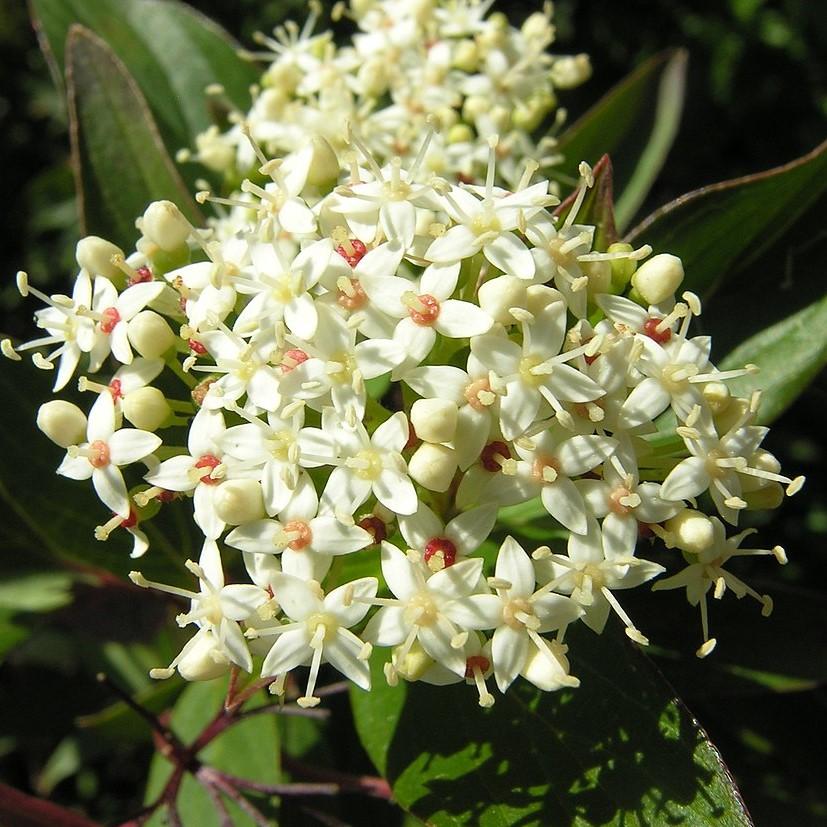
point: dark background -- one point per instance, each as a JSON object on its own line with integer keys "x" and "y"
{"x": 757, "y": 97}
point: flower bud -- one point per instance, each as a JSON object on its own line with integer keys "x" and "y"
{"x": 466, "y": 56}
{"x": 622, "y": 268}
{"x": 164, "y": 225}
{"x": 570, "y": 71}
{"x": 600, "y": 276}
{"x": 146, "y": 408}
{"x": 204, "y": 660}
{"x": 414, "y": 664}
{"x": 434, "y": 420}
{"x": 239, "y": 501}
{"x": 716, "y": 395}
{"x": 433, "y": 466}
{"x": 373, "y": 77}
{"x": 691, "y": 531}
{"x": 63, "y": 422}
{"x": 762, "y": 460}
{"x": 540, "y": 296}
{"x": 150, "y": 334}
{"x": 497, "y": 296}
{"x": 214, "y": 151}
{"x": 324, "y": 166}
{"x": 735, "y": 410}
{"x": 460, "y": 133}
{"x": 94, "y": 254}
{"x": 765, "y": 498}
{"x": 658, "y": 278}
{"x": 538, "y": 27}
{"x": 474, "y": 106}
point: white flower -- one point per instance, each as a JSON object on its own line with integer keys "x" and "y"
{"x": 535, "y": 371}
{"x": 444, "y": 545}
{"x": 698, "y": 578}
{"x": 201, "y": 471}
{"x": 433, "y": 611}
{"x": 215, "y": 607}
{"x": 307, "y": 542}
{"x": 519, "y": 615}
{"x": 104, "y": 452}
{"x": 488, "y": 225}
{"x": 596, "y": 565}
{"x": 547, "y": 463}
{"x": 370, "y": 465}
{"x": 319, "y": 630}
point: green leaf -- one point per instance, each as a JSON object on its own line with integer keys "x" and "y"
{"x": 790, "y": 353}
{"x": 636, "y": 124}
{"x": 719, "y": 230}
{"x": 249, "y": 749}
{"x": 620, "y": 749}
{"x": 119, "y": 158}
{"x": 42, "y": 592}
{"x": 172, "y": 51}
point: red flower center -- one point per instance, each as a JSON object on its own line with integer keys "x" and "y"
{"x": 109, "y": 318}
{"x": 480, "y": 662}
{"x": 650, "y": 329}
{"x": 208, "y": 461}
{"x": 352, "y": 251}
{"x": 493, "y": 455}
{"x": 375, "y": 527}
{"x": 440, "y": 549}
{"x": 99, "y": 454}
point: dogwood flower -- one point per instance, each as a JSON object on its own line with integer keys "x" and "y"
{"x": 104, "y": 452}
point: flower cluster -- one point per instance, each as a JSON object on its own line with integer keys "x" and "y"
{"x": 377, "y": 367}
{"x": 408, "y": 63}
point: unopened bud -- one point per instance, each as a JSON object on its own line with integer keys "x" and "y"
{"x": 466, "y": 56}
{"x": 433, "y": 466}
{"x": 63, "y": 422}
{"x": 239, "y": 501}
{"x": 497, "y": 296}
{"x": 460, "y": 133}
{"x": 474, "y": 106}
{"x": 150, "y": 334}
{"x": 717, "y": 397}
{"x": 622, "y": 268}
{"x": 434, "y": 420}
{"x": 691, "y": 531}
{"x": 146, "y": 408}
{"x": 95, "y": 254}
{"x": 164, "y": 225}
{"x": 658, "y": 278}
{"x": 570, "y": 71}
{"x": 769, "y": 496}
{"x": 600, "y": 276}
{"x": 204, "y": 660}
{"x": 214, "y": 151}
{"x": 415, "y": 662}
{"x": 324, "y": 167}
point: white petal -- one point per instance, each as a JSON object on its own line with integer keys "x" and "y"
{"x": 343, "y": 653}
{"x": 458, "y": 243}
{"x": 564, "y": 502}
{"x": 387, "y": 627}
{"x": 510, "y": 254}
{"x": 297, "y": 598}
{"x": 291, "y": 649}
{"x": 514, "y": 565}
{"x": 332, "y": 537}
{"x": 440, "y": 280}
{"x": 582, "y": 453}
{"x": 644, "y": 403}
{"x": 301, "y": 317}
{"x": 398, "y": 221}
{"x": 173, "y": 474}
{"x": 509, "y": 650}
{"x": 436, "y": 641}
{"x": 110, "y": 487}
{"x": 101, "y": 424}
{"x": 462, "y": 319}
{"x": 349, "y": 615}
{"x": 619, "y": 535}
{"x": 458, "y": 580}
{"x": 396, "y": 492}
{"x": 420, "y": 527}
{"x": 392, "y": 434}
{"x": 477, "y": 611}
{"x": 469, "y": 529}
{"x": 399, "y": 573}
{"x": 239, "y": 600}
{"x": 130, "y": 445}
{"x": 235, "y": 645}
{"x": 686, "y": 480}
{"x": 205, "y": 516}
